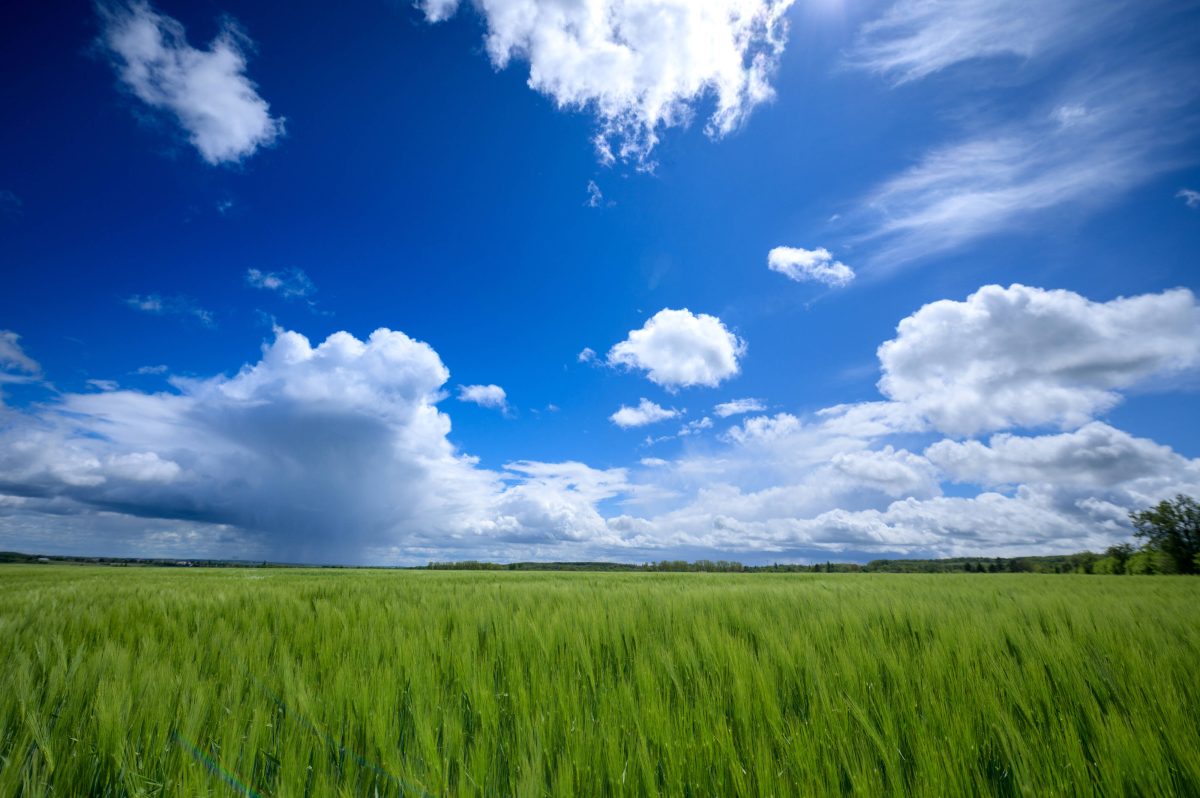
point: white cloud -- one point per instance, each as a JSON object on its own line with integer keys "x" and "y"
{"x": 157, "y": 305}
{"x": 1190, "y": 197}
{"x": 13, "y": 357}
{"x": 646, "y": 412}
{"x": 484, "y": 395}
{"x": 1119, "y": 115}
{"x": 103, "y": 385}
{"x": 816, "y": 265}
{"x": 695, "y": 427}
{"x": 588, "y": 355}
{"x": 639, "y": 66}
{"x": 917, "y": 38}
{"x": 737, "y": 407}
{"x": 339, "y": 452}
{"x": 677, "y": 348}
{"x": 206, "y": 91}
{"x": 595, "y": 196}
{"x": 1094, "y": 456}
{"x": 1019, "y": 356}
{"x": 289, "y": 283}
{"x": 15, "y": 366}
{"x": 159, "y": 369}
{"x": 335, "y": 452}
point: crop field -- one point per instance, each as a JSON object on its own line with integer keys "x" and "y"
{"x": 127, "y": 681}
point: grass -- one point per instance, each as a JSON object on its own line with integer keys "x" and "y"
{"x": 305, "y": 682}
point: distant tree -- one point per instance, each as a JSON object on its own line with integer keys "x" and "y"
{"x": 1172, "y": 528}
{"x": 1119, "y": 555}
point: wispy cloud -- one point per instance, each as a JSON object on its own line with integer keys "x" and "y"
{"x": 914, "y": 39}
{"x": 1190, "y": 197}
{"x": 1114, "y": 106}
{"x": 10, "y": 203}
{"x": 1098, "y": 141}
{"x": 288, "y": 283}
{"x": 158, "y": 305}
{"x": 737, "y": 407}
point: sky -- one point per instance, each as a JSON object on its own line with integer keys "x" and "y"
{"x": 765, "y": 280}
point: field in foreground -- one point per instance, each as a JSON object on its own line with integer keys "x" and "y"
{"x": 293, "y": 682}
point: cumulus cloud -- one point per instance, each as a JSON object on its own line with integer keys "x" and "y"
{"x": 737, "y": 407}
{"x": 339, "y": 452}
{"x": 646, "y": 412}
{"x": 678, "y": 349}
{"x": 587, "y": 355}
{"x": 206, "y": 91}
{"x": 484, "y": 395}
{"x": 1094, "y": 456}
{"x": 289, "y": 283}
{"x": 158, "y": 305}
{"x": 813, "y": 265}
{"x": 335, "y": 452}
{"x": 1024, "y": 357}
{"x": 639, "y": 66}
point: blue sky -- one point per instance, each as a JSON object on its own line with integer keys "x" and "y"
{"x": 940, "y": 254}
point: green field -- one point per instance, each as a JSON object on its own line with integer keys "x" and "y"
{"x": 128, "y": 681}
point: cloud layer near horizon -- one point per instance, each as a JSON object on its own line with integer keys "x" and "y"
{"x": 338, "y": 452}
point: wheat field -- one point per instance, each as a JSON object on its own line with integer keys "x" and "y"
{"x": 264, "y": 682}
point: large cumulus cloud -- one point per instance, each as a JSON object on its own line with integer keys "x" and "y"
{"x": 334, "y": 452}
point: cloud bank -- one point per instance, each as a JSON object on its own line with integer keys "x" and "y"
{"x": 338, "y": 452}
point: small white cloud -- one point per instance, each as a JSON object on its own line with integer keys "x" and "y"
{"x": 588, "y": 355}
{"x": 653, "y": 462}
{"x": 678, "y": 348}
{"x": 484, "y": 395}
{"x": 646, "y": 412}
{"x": 103, "y": 385}
{"x": 595, "y": 196}
{"x": 1189, "y": 196}
{"x": 158, "y": 305}
{"x": 737, "y": 407}
{"x": 694, "y": 427}
{"x": 816, "y": 265}
{"x": 289, "y": 283}
{"x": 206, "y": 91}
{"x": 159, "y": 369}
